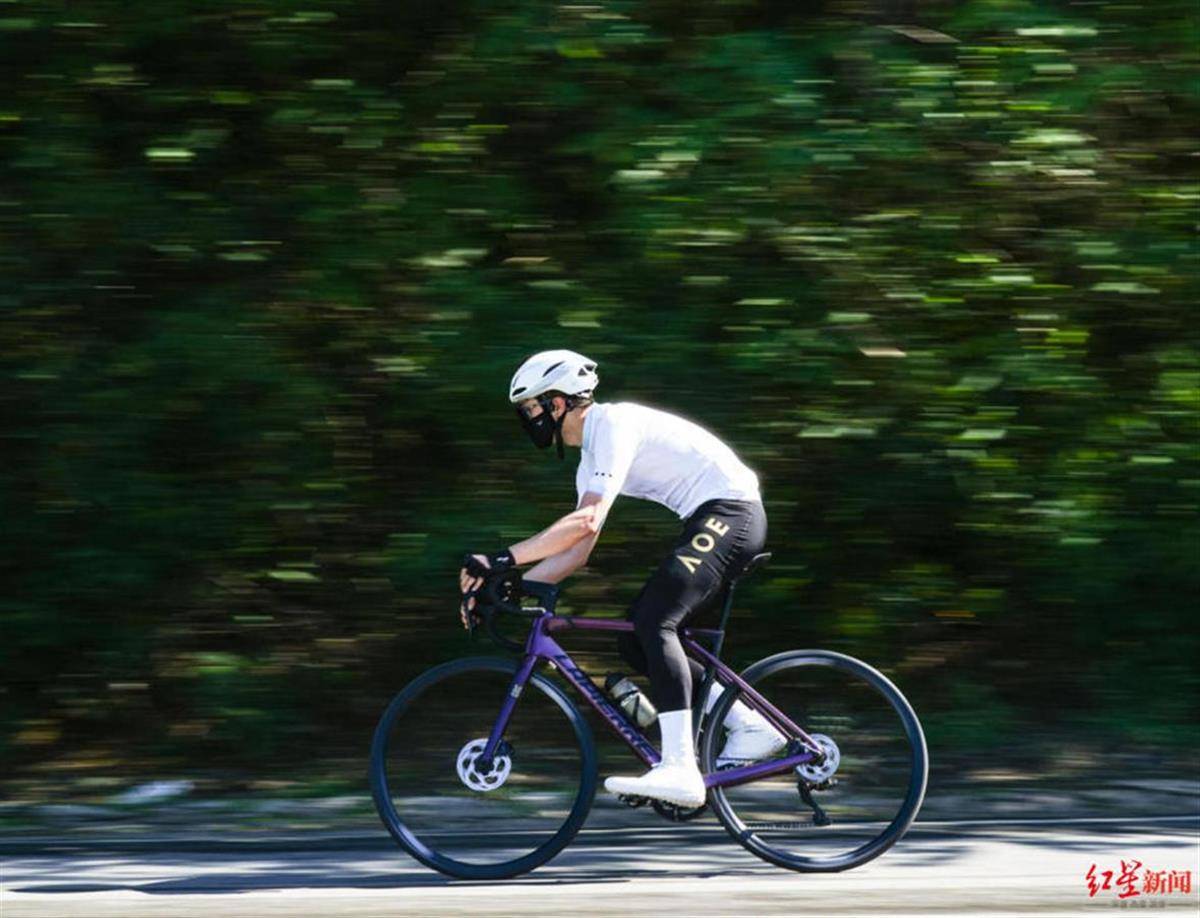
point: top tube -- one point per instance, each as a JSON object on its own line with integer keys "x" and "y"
{"x": 583, "y": 623}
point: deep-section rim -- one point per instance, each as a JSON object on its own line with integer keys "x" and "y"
{"x": 427, "y": 856}
{"x": 918, "y": 779}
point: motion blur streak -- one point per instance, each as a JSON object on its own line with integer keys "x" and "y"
{"x": 930, "y": 267}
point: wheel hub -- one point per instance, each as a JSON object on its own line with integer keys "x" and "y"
{"x": 477, "y": 778}
{"x": 820, "y": 773}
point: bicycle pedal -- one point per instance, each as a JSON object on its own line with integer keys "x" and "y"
{"x": 633, "y": 801}
{"x": 675, "y": 813}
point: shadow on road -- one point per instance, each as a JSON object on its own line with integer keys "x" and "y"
{"x": 694, "y": 852}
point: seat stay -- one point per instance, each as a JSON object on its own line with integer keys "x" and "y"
{"x": 752, "y": 698}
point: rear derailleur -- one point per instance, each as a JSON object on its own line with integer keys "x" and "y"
{"x": 806, "y": 788}
{"x": 816, "y": 776}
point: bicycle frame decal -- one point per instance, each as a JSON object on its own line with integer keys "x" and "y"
{"x": 540, "y": 646}
{"x": 613, "y": 715}
{"x": 780, "y": 720}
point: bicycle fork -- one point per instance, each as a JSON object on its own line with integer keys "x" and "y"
{"x": 484, "y": 763}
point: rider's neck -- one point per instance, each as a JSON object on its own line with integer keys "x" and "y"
{"x": 572, "y": 429}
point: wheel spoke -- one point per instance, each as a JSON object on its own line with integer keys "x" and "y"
{"x": 465, "y": 817}
{"x": 852, "y": 807}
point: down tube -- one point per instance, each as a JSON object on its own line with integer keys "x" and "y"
{"x": 587, "y": 688}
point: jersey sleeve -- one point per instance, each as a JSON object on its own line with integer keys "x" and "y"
{"x": 582, "y": 476}
{"x": 613, "y": 449}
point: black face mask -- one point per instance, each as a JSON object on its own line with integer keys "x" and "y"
{"x": 544, "y": 430}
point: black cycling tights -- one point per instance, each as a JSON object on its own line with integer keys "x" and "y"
{"x": 718, "y": 539}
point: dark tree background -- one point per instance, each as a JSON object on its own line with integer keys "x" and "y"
{"x": 930, "y": 266}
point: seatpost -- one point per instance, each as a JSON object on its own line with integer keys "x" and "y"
{"x": 706, "y": 684}
{"x": 724, "y": 618}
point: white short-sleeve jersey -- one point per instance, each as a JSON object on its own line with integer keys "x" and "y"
{"x": 654, "y": 455}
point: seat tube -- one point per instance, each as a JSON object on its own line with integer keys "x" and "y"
{"x": 720, "y": 641}
{"x": 709, "y": 671}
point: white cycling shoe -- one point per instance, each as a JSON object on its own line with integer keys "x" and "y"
{"x": 750, "y": 736}
{"x": 750, "y": 742}
{"x": 675, "y": 782}
{"x": 676, "y": 779}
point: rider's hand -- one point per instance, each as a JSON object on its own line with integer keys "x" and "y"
{"x": 471, "y": 574}
{"x": 467, "y": 584}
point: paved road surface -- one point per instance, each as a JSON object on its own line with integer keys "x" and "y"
{"x": 1024, "y": 867}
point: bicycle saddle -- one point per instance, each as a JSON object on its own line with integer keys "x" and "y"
{"x": 752, "y": 565}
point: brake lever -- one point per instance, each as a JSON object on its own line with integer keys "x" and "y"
{"x": 469, "y": 614}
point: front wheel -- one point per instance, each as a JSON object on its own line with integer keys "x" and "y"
{"x": 476, "y": 820}
{"x": 861, "y": 799}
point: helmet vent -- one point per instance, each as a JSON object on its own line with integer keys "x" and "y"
{"x": 552, "y": 367}
{"x": 519, "y": 390}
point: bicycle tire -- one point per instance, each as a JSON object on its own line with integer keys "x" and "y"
{"x": 420, "y": 848}
{"x": 917, "y": 779}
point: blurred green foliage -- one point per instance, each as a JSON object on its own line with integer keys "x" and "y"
{"x": 931, "y": 267}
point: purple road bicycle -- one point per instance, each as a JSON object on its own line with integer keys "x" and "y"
{"x": 483, "y": 767}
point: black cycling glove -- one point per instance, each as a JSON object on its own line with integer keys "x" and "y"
{"x": 497, "y": 561}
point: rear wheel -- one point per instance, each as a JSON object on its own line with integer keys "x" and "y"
{"x": 471, "y": 819}
{"x": 855, "y": 805}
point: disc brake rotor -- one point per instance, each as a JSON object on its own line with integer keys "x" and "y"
{"x": 472, "y": 776}
{"x": 819, "y": 774}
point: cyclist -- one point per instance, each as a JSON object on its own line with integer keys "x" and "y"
{"x": 631, "y": 449}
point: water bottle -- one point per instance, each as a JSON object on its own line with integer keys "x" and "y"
{"x": 630, "y": 699}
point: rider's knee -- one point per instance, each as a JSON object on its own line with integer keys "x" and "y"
{"x": 653, "y": 630}
{"x": 630, "y": 649}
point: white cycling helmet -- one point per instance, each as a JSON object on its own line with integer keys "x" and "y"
{"x": 553, "y": 371}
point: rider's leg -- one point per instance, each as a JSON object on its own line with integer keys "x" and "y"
{"x": 712, "y": 540}
{"x": 656, "y": 626}
{"x": 630, "y": 649}
{"x": 676, "y": 778}
{"x": 716, "y": 541}
{"x": 673, "y": 594}
{"x": 750, "y": 735}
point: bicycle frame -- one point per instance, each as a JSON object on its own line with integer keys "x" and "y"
{"x": 541, "y": 647}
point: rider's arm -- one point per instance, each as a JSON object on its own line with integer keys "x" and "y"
{"x": 577, "y": 531}
{"x": 600, "y": 478}
{"x": 564, "y": 546}
{"x": 562, "y": 564}
{"x": 561, "y": 535}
